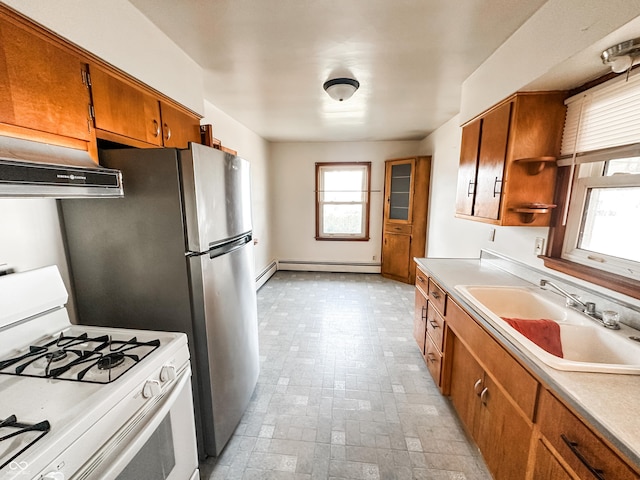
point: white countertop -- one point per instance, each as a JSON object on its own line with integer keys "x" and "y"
{"x": 609, "y": 402}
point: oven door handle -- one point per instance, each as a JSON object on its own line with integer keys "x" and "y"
{"x": 145, "y": 427}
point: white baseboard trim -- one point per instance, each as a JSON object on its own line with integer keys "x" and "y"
{"x": 340, "y": 267}
{"x": 266, "y": 274}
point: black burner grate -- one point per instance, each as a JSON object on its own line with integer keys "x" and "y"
{"x": 11, "y": 430}
{"x": 79, "y": 358}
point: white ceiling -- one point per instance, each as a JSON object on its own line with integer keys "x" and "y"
{"x": 265, "y": 61}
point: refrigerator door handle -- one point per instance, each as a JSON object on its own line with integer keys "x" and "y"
{"x": 219, "y": 250}
{"x": 222, "y": 248}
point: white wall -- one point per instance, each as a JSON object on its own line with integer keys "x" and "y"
{"x": 254, "y": 148}
{"x": 292, "y": 177}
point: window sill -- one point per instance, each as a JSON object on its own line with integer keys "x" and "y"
{"x": 341, "y": 239}
{"x": 608, "y": 280}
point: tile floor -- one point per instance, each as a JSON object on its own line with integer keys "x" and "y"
{"x": 343, "y": 391}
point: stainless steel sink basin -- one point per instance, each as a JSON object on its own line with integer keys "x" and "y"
{"x": 586, "y": 346}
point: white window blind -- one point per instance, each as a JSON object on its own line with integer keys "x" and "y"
{"x": 603, "y": 117}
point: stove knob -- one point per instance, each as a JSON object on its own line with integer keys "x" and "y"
{"x": 53, "y": 476}
{"x": 167, "y": 373}
{"x": 151, "y": 389}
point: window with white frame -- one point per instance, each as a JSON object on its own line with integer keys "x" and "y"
{"x": 342, "y": 201}
{"x": 601, "y": 143}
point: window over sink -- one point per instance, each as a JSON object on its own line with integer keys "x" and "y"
{"x": 594, "y": 236}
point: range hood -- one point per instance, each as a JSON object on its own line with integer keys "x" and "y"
{"x": 32, "y": 169}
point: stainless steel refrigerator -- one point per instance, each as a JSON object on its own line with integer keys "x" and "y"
{"x": 176, "y": 254}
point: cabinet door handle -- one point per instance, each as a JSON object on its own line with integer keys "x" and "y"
{"x": 483, "y": 395}
{"x": 573, "y": 446}
{"x": 471, "y": 188}
{"x": 156, "y": 128}
{"x": 167, "y": 130}
{"x": 431, "y": 357}
{"x": 476, "y": 386}
{"x": 498, "y": 191}
{"x": 434, "y": 324}
{"x": 435, "y": 295}
{"x": 424, "y": 313}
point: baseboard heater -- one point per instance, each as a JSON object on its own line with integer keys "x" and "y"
{"x": 343, "y": 267}
{"x": 266, "y": 274}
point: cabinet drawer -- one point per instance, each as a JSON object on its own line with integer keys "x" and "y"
{"x": 438, "y": 297}
{"x": 433, "y": 359}
{"x": 513, "y": 377}
{"x": 435, "y": 326}
{"x": 581, "y": 449}
{"x": 422, "y": 282}
{"x": 397, "y": 228}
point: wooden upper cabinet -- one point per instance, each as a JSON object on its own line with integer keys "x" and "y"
{"x": 124, "y": 109}
{"x": 178, "y": 128}
{"x": 507, "y": 161}
{"x": 468, "y": 168}
{"x": 127, "y": 112}
{"x": 491, "y": 160}
{"x": 43, "y": 92}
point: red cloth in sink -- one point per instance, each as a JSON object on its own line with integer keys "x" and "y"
{"x": 544, "y": 333}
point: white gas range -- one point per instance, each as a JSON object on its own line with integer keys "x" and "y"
{"x": 81, "y": 402}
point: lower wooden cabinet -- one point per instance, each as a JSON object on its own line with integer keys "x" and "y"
{"x": 578, "y": 446}
{"x": 396, "y": 254}
{"x": 502, "y": 434}
{"x": 520, "y": 426}
{"x": 546, "y": 466}
{"x": 420, "y": 321}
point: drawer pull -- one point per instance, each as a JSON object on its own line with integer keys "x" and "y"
{"x": 573, "y": 446}
{"x": 483, "y": 395}
{"x": 476, "y": 386}
{"x": 420, "y": 279}
{"x": 435, "y": 295}
{"x": 434, "y": 324}
{"x": 424, "y": 313}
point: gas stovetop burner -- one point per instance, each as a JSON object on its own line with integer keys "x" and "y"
{"x": 111, "y": 360}
{"x": 56, "y": 356}
{"x": 18, "y": 437}
{"x": 79, "y": 358}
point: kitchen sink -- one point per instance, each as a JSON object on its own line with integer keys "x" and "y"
{"x": 586, "y": 345}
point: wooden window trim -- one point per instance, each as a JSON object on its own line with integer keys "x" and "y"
{"x": 366, "y": 237}
{"x": 554, "y": 260}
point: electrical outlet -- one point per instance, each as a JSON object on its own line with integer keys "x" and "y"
{"x": 492, "y": 234}
{"x": 374, "y": 257}
{"x": 539, "y": 246}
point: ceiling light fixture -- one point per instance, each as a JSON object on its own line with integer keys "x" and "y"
{"x": 623, "y": 56}
{"x": 341, "y": 89}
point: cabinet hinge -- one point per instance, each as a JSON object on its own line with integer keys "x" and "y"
{"x": 86, "y": 78}
{"x": 92, "y": 113}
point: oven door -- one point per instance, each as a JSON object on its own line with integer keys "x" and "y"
{"x": 161, "y": 446}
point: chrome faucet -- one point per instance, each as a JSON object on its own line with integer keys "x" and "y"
{"x": 588, "y": 308}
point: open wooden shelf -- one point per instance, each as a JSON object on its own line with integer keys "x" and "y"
{"x": 536, "y": 165}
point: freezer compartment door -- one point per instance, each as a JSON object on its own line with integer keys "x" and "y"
{"x": 227, "y": 332}
{"x": 217, "y": 199}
